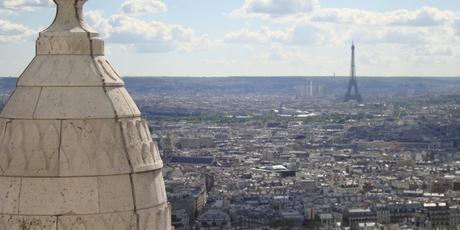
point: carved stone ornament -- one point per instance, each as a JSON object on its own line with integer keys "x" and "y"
{"x": 74, "y": 151}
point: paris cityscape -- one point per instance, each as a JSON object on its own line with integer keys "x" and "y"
{"x": 242, "y": 114}
{"x": 291, "y": 154}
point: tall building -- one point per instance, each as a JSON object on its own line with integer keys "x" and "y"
{"x": 74, "y": 150}
{"x": 353, "y": 92}
{"x": 310, "y": 91}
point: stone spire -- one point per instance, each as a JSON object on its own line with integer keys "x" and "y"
{"x": 74, "y": 151}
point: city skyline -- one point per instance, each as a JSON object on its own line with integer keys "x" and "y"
{"x": 254, "y": 37}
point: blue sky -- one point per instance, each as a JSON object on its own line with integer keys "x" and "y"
{"x": 253, "y": 37}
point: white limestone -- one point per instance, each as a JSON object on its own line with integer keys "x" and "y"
{"x": 29, "y": 148}
{"x": 13, "y": 222}
{"x": 57, "y": 196}
{"x": 74, "y": 150}
{"x": 115, "y": 200}
{"x": 22, "y": 103}
{"x": 149, "y": 218}
{"x": 109, "y": 221}
{"x": 142, "y": 153}
{"x": 9, "y": 194}
{"x": 122, "y": 103}
{"x": 73, "y": 103}
{"x": 146, "y": 184}
{"x": 92, "y": 147}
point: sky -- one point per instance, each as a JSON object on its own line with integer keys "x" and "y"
{"x": 253, "y": 37}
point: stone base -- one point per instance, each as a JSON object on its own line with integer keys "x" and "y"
{"x": 157, "y": 218}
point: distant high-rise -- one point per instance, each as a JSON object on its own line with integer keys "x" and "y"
{"x": 353, "y": 92}
{"x": 310, "y": 90}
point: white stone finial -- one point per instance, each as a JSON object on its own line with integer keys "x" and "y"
{"x": 69, "y": 15}
{"x": 69, "y": 34}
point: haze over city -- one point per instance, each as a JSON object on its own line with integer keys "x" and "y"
{"x": 253, "y": 37}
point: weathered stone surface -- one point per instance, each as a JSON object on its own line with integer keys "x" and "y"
{"x": 29, "y": 148}
{"x": 74, "y": 152}
{"x": 149, "y": 189}
{"x": 112, "y": 221}
{"x": 73, "y": 103}
{"x": 158, "y": 218}
{"x": 108, "y": 74}
{"x": 22, "y": 103}
{"x": 58, "y": 196}
{"x": 61, "y": 44}
{"x": 92, "y": 147}
{"x": 143, "y": 152}
{"x": 123, "y": 107}
{"x": 69, "y": 34}
{"x": 12, "y": 222}
{"x": 115, "y": 193}
{"x": 9, "y": 194}
{"x": 134, "y": 109}
{"x": 61, "y": 70}
{"x": 69, "y": 18}
{"x": 69, "y": 70}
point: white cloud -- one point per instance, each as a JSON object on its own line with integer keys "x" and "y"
{"x": 304, "y": 35}
{"x": 335, "y": 35}
{"x": 345, "y": 16}
{"x": 221, "y": 61}
{"x": 198, "y": 43}
{"x": 143, "y": 6}
{"x": 439, "y": 51}
{"x": 279, "y": 53}
{"x": 263, "y": 35}
{"x": 275, "y": 8}
{"x": 99, "y": 22}
{"x": 11, "y": 32}
{"x": 28, "y": 5}
{"x": 426, "y": 16}
{"x": 339, "y": 26}
{"x": 149, "y": 36}
{"x": 423, "y": 17}
{"x": 309, "y": 35}
{"x": 126, "y": 29}
{"x": 457, "y": 27}
{"x": 387, "y": 36}
{"x": 140, "y": 35}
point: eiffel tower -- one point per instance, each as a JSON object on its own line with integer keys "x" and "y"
{"x": 353, "y": 92}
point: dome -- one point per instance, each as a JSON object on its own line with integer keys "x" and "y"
{"x": 74, "y": 150}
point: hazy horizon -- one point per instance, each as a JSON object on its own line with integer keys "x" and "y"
{"x": 287, "y": 76}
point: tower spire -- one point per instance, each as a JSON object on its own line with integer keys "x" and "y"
{"x": 353, "y": 92}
